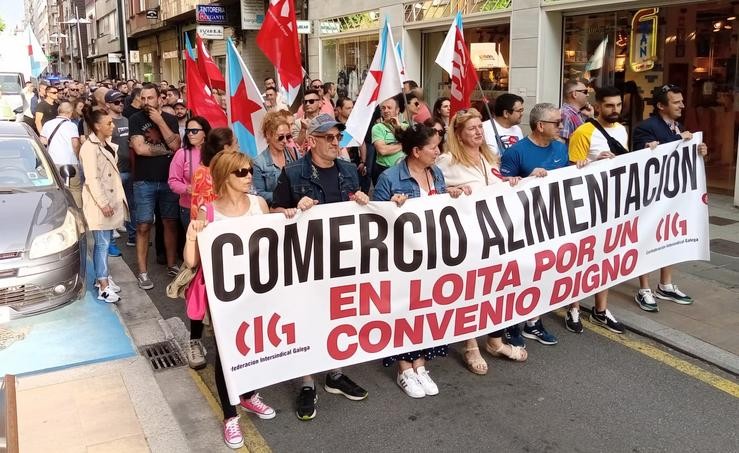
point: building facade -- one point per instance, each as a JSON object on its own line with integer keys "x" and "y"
{"x": 530, "y": 47}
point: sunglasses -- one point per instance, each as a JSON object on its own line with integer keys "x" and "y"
{"x": 52, "y": 92}
{"x": 192, "y": 131}
{"x": 116, "y": 102}
{"x": 580, "y": 91}
{"x": 315, "y": 87}
{"x": 243, "y": 172}
{"x": 283, "y": 137}
{"x": 416, "y": 103}
{"x": 331, "y": 137}
{"x": 558, "y": 123}
{"x": 310, "y": 101}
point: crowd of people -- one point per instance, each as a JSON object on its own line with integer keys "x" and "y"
{"x": 147, "y": 164}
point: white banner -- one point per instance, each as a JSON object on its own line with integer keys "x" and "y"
{"x": 342, "y": 284}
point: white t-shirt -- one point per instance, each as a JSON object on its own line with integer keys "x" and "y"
{"x": 456, "y": 174}
{"x": 508, "y": 135}
{"x": 60, "y": 148}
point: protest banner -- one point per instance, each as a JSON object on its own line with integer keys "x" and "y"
{"x": 342, "y": 283}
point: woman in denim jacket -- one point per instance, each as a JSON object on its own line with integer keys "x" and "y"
{"x": 415, "y": 177}
{"x": 280, "y": 151}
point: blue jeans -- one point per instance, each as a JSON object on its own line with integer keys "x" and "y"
{"x": 100, "y": 252}
{"x": 148, "y": 195}
{"x": 127, "y": 180}
{"x": 185, "y": 218}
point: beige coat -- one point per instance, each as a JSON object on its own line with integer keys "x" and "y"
{"x": 102, "y": 186}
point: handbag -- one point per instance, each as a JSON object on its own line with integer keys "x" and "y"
{"x": 196, "y": 295}
{"x": 616, "y": 147}
{"x": 177, "y": 287}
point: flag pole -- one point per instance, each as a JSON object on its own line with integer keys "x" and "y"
{"x": 498, "y": 140}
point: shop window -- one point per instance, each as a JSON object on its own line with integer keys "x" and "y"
{"x": 692, "y": 46}
{"x": 346, "y": 62}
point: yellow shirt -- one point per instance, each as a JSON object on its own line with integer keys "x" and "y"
{"x": 587, "y": 142}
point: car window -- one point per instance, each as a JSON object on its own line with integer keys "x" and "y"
{"x": 23, "y": 165}
{"x": 10, "y": 83}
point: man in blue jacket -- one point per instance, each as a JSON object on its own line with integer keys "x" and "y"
{"x": 319, "y": 177}
{"x": 663, "y": 127}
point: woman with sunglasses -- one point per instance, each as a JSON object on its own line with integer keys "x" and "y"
{"x": 280, "y": 151}
{"x": 232, "y": 179}
{"x": 469, "y": 162}
{"x": 184, "y": 163}
{"x": 220, "y": 139}
{"x": 415, "y": 176}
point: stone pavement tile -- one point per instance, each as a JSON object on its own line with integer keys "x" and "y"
{"x": 48, "y": 420}
{"x": 131, "y": 444}
{"x": 105, "y": 409}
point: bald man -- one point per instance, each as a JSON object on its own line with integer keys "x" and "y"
{"x": 63, "y": 142}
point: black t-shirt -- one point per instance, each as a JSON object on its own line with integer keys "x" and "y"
{"x": 129, "y": 111}
{"x": 49, "y": 111}
{"x": 151, "y": 168}
{"x": 329, "y": 179}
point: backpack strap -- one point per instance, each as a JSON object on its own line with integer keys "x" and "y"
{"x": 616, "y": 147}
{"x": 48, "y": 142}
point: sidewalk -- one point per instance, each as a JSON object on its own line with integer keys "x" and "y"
{"x": 121, "y": 405}
{"x": 708, "y": 329}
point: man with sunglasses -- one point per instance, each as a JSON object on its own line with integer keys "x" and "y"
{"x": 536, "y": 154}
{"x": 310, "y": 109}
{"x": 319, "y": 177}
{"x": 663, "y": 127}
{"x": 114, "y": 101}
{"x": 47, "y": 108}
{"x": 575, "y": 107}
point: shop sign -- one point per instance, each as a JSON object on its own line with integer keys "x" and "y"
{"x": 134, "y": 56}
{"x": 210, "y": 14}
{"x": 210, "y": 31}
{"x": 114, "y": 57}
{"x": 152, "y": 14}
{"x": 643, "y": 51}
{"x": 252, "y": 14}
{"x": 303, "y": 27}
{"x": 329, "y": 28}
{"x": 485, "y": 55}
{"x": 170, "y": 55}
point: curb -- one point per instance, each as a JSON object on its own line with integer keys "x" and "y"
{"x": 675, "y": 339}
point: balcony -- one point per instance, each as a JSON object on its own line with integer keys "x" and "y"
{"x": 421, "y": 11}
{"x": 139, "y": 23}
{"x": 174, "y": 8}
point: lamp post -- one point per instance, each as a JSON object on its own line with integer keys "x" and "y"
{"x": 77, "y": 21}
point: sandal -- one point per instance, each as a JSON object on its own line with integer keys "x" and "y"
{"x": 517, "y": 354}
{"x": 477, "y": 365}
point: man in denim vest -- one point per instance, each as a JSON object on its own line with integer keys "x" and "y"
{"x": 316, "y": 178}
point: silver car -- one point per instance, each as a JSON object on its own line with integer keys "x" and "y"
{"x": 43, "y": 240}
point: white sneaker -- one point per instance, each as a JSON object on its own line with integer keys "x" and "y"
{"x": 196, "y": 355}
{"x": 408, "y": 381}
{"x": 111, "y": 285}
{"x": 116, "y": 234}
{"x": 428, "y": 385}
{"x": 108, "y": 296}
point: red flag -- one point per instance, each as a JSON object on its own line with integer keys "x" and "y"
{"x": 208, "y": 68}
{"x": 278, "y": 39}
{"x": 464, "y": 76}
{"x": 200, "y": 99}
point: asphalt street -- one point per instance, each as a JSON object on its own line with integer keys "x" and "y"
{"x": 589, "y": 393}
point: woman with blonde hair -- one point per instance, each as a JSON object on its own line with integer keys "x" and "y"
{"x": 280, "y": 152}
{"x": 468, "y": 161}
{"x": 231, "y": 174}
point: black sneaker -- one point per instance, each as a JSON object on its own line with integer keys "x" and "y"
{"x": 572, "y": 321}
{"x": 342, "y": 385}
{"x": 606, "y": 319}
{"x": 512, "y": 336}
{"x": 539, "y": 333}
{"x": 307, "y": 403}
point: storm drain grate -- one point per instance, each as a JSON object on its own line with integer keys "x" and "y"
{"x": 162, "y": 356}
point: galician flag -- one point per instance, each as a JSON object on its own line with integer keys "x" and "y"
{"x": 36, "y": 56}
{"x": 383, "y": 82}
{"x": 200, "y": 98}
{"x": 454, "y": 58}
{"x": 245, "y": 105}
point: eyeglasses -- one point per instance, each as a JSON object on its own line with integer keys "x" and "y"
{"x": 331, "y": 137}
{"x": 518, "y": 110}
{"x": 558, "y": 122}
{"x": 283, "y": 137}
{"x": 52, "y": 92}
{"x": 243, "y": 172}
{"x": 579, "y": 91}
{"x": 309, "y": 101}
{"x": 192, "y": 131}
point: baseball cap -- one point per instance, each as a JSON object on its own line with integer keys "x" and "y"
{"x": 180, "y": 102}
{"x": 112, "y": 96}
{"x": 323, "y": 123}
